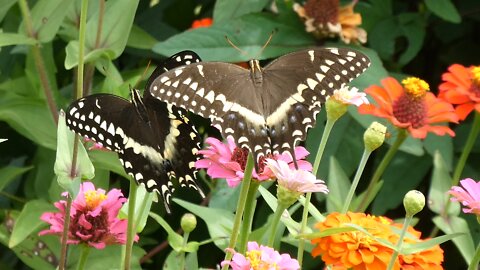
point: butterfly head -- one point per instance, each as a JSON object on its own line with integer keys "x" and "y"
{"x": 256, "y": 71}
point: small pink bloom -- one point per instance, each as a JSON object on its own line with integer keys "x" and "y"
{"x": 350, "y": 96}
{"x": 469, "y": 195}
{"x": 226, "y": 160}
{"x": 95, "y": 146}
{"x": 93, "y": 218}
{"x": 300, "y": 180}
{"x": 260, "y": 257}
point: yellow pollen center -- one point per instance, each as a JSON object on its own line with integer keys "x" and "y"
{"x": 476, "y": 75}
{"x": 415, "y": 87}
{"x": 256, "y": 263}
{"x": 93, "y": 198}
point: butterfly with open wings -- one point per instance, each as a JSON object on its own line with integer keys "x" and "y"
{"x": 154, "y": 140}
{"x": 266, "y": 110}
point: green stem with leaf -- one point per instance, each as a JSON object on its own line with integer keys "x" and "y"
{"x": 248, "y": 217}
{"x": 83, "y": 257}
{"x": 247, "y": 178}
{"x": 356, "y": 180}
{"x": 398, "y": 248}
{"x": 131, "y": 225}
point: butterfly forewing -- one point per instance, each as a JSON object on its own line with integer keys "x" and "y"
{"x": 265, "y": 111}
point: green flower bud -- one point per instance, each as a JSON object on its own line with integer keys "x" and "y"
{"x": 335, "y": 109}
{"x": 414, "y": 201}
{"x": 374, "y": 136}
{"x": 188, "y": 222}
{"x": 287, "y": 197}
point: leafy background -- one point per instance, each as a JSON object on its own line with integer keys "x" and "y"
{"x": 420, "y": 38}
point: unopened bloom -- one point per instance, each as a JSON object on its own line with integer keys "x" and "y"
{"x": 461, "y": 87}
{"x": 93, "y": 218}
{"x": 326, "y": 18}
{"x": 374, "y": 136}
{"x": 228, "y": 161}
{"x": 337, "y": 104}
{"x": 205, "y": 22}
{"x": 468, "y": 195}
{"x": 259, "y": 257}
{"x": 413, "y": 202}
{"x": 410, "y": 107}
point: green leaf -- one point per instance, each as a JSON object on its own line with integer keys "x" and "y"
{"x": 398, "y": 181}
{"x": 63, "y": 162}
{"x": 5, "y": 6}
{"x": 29, "y": 220}
{"x": 441, "y": 184}
{"x": 464, "y": 243}
{"x": 219, "y": 222}
{"x": 10, "y": 173}
{"x": 29, "y": 117}
{"x": 442, "y": 144}
{"x": 225, "y": 10}
{"x": 143, "y": 205}
{"x": 175, "y": 240}
{"x": 244, "y": 32}
{"x": 107, "y": 160}
{"x": 444, "y": 9}
{"x": 47, "y": 16}
{"x": 338, "y": 184}
{"x": 109, "y": 258}
{"x": 410, "y": 248}
{"x": 115, "y": 31}
{"x": 140, "y": 39}
{"x": 413, "y": 28}
{"x": 8, "y": 39}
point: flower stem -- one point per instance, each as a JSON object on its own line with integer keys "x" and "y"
{"x": 308, "y": 196}
{"x": 39, "y": 62}
{"x": 182, "y": 253}
{"x": 398, "y": 248}
{"x": 356, "y": 179}
{"x": 83, "y": 257}
{"x": 247, "y": 177}
{"x": 476, "y": 259}
{"x": 248, "y": 217}
{"x": 131, "y": 226}
{"x": 472, "y": 137}
{"x": 402, "y": 135}
{"x": 274, "y": 225}
{"x": 66, "y": 225}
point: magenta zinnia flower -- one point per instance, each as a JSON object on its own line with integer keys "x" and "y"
{"x": 262, "y": 257}
{"x": 93, "y": 218}
{"x": 469, "y": 195}
{"x": 228, "y": 161}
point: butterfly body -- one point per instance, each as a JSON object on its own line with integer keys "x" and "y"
{"x": 265, "y": 110}
{"x": 153, "y": 139}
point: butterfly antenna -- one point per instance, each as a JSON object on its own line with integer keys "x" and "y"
{"x": 143, "y": 75}
{"x": 236, "y": 47}
{"x": 266, "y": 44}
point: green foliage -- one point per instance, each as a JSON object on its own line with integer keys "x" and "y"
{"x": 38, "y": 74}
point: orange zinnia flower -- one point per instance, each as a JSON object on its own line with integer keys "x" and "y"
{"x": 354, "y": 250}
{"x": 461, "y": 87}
{"x": 410, "y": 107}
{"x": 206, "y": 22}
{"x": 326, "y": 18}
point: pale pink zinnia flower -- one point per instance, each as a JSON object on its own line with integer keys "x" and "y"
{"x": 226, "y": 160}
{"x": 261, "y": 257}
{"x": 469, "y": 195}
{"x": 351, "y": 96}
{"x": 299, "y": 181}
{"x": 93, "y": 218}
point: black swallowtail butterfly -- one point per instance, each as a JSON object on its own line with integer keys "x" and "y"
{"x": 265, "y": 110}
{"x": 153, "y": 139}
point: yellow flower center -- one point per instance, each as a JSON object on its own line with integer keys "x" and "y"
{"x": 415, "y": 87}
{"x": 94, "y": 198}
{"x": 476, "y": 75}
{"x": 256, "y": 263}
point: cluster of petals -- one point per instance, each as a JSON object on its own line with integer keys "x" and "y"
{"x": 93, "y": 218}
{"x": 357, "y": 250}
{"x": 205, "y": 22}
{"x": 326, "y": 18}
{"x": 299, "y": 181}
{"x": 468, "y": 195}
{"x": 226, "y": 160}
{"x": 410, "y": 107}
{"x": 350, "y": 96}
{"x": 259, "y": 257}
{"x": 461, "y": 87}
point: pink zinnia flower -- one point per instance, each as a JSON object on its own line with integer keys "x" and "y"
{"x": 261, "y": 257}
{"x": 469, "y": 195}
{"x": 93, "y": 218}
{"x": 228, "y": 161}
{"x": 350, "y": 96}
